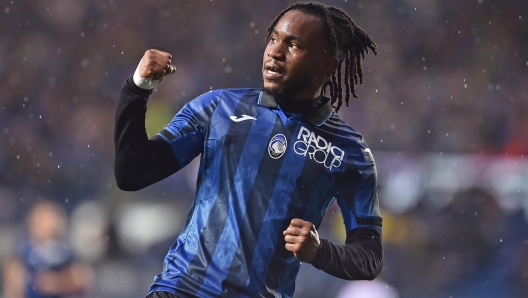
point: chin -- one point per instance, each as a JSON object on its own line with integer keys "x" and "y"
{"x": 276, "y": 91}
{"x": 264, "y": 84}
{"x": 270, "y": 87}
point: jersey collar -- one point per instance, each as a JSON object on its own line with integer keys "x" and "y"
{"x": 316, "y": 116}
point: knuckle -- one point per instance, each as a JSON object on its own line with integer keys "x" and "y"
{"x": 149, "y": 53}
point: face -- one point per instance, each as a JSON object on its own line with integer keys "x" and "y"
{"x": 46, "y": 222}
{"x": 297, "y": 59}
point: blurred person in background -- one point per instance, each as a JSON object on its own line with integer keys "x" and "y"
{"x": 45, "y": 265}
{"x": 273, "y": 160}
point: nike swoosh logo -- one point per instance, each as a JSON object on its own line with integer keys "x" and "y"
{"x": 242, "y": 118}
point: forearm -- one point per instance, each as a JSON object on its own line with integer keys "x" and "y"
{"x": 139, "y": 162}
{"x": 361, "y": 258}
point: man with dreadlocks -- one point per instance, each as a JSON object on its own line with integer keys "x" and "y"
{"x": 272, "y": 161}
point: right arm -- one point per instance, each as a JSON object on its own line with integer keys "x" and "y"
{"x": 139, "y": 161}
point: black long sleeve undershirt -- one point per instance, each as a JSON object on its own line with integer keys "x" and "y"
{"x": 360, "y": 258}
{"x": 140, "y": 162}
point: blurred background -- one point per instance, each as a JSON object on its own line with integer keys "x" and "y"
{"x": 444, "y": 109}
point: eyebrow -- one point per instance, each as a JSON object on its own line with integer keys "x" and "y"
{"x": 289, "y": 36}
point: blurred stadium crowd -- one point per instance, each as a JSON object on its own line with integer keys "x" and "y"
{"x": 444, "y": 109}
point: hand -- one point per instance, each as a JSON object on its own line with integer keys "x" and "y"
{"x": 156, "y": 65}
{"x": 302, "y": 239}
{"x": 48, "y": 282}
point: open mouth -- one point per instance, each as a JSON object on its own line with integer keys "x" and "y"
{"x": 272, "y": 71}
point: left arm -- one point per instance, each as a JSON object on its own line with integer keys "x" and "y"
{"x": 360, "y": 258}
{"x": 362, "y": 255}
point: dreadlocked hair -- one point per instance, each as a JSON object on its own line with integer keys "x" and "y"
{"x": 346, "y": 38}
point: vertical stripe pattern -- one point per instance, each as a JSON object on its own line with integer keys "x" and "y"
{"x": 247, "y": 193}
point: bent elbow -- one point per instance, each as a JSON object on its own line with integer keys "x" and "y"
{"x": 125, "y": 185}
{"x": 126, "y": 180}
{"x": 368, "y": 271}
{"x": 375, "y": 270}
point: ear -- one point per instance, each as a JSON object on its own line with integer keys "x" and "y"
{"x": 330, "y": 64}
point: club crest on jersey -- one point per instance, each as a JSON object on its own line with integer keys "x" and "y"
{"x": 277, "y": 146}
{"x": 318, "y": 149}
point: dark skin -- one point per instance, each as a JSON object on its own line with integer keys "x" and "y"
{"x": 156, "y": 64}
{"x": 297, "y": 58}
{"x": 298, "y": 55}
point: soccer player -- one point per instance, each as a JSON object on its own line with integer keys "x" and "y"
{"x": 272, "y": 160}
{"x": 44, "y": 265}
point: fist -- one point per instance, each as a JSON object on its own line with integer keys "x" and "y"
{"x": 155, "y": 65}
{"x": 302, "y": 239}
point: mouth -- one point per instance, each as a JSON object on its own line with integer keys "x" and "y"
{"x": 272, "y": 70}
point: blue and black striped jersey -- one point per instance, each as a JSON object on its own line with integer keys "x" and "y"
{"x": 260, "y": 167}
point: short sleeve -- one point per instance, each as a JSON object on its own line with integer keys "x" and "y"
{"x": 187, "y": 131}
{"x": 357, "y": 195}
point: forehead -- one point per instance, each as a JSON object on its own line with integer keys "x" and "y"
{"x": 299, "y": 24}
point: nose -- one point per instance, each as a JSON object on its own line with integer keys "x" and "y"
{"x": 275, "y": 50}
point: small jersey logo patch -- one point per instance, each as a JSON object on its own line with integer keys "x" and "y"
{"x": 277, "y": 146}
{"x": 242, "y": 118}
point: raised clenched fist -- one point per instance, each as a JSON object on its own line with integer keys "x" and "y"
{"x": 155, "y": 64}
{"x": 153, "y": 68}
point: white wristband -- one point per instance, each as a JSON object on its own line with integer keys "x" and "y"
{"x": 144, "y": 83}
